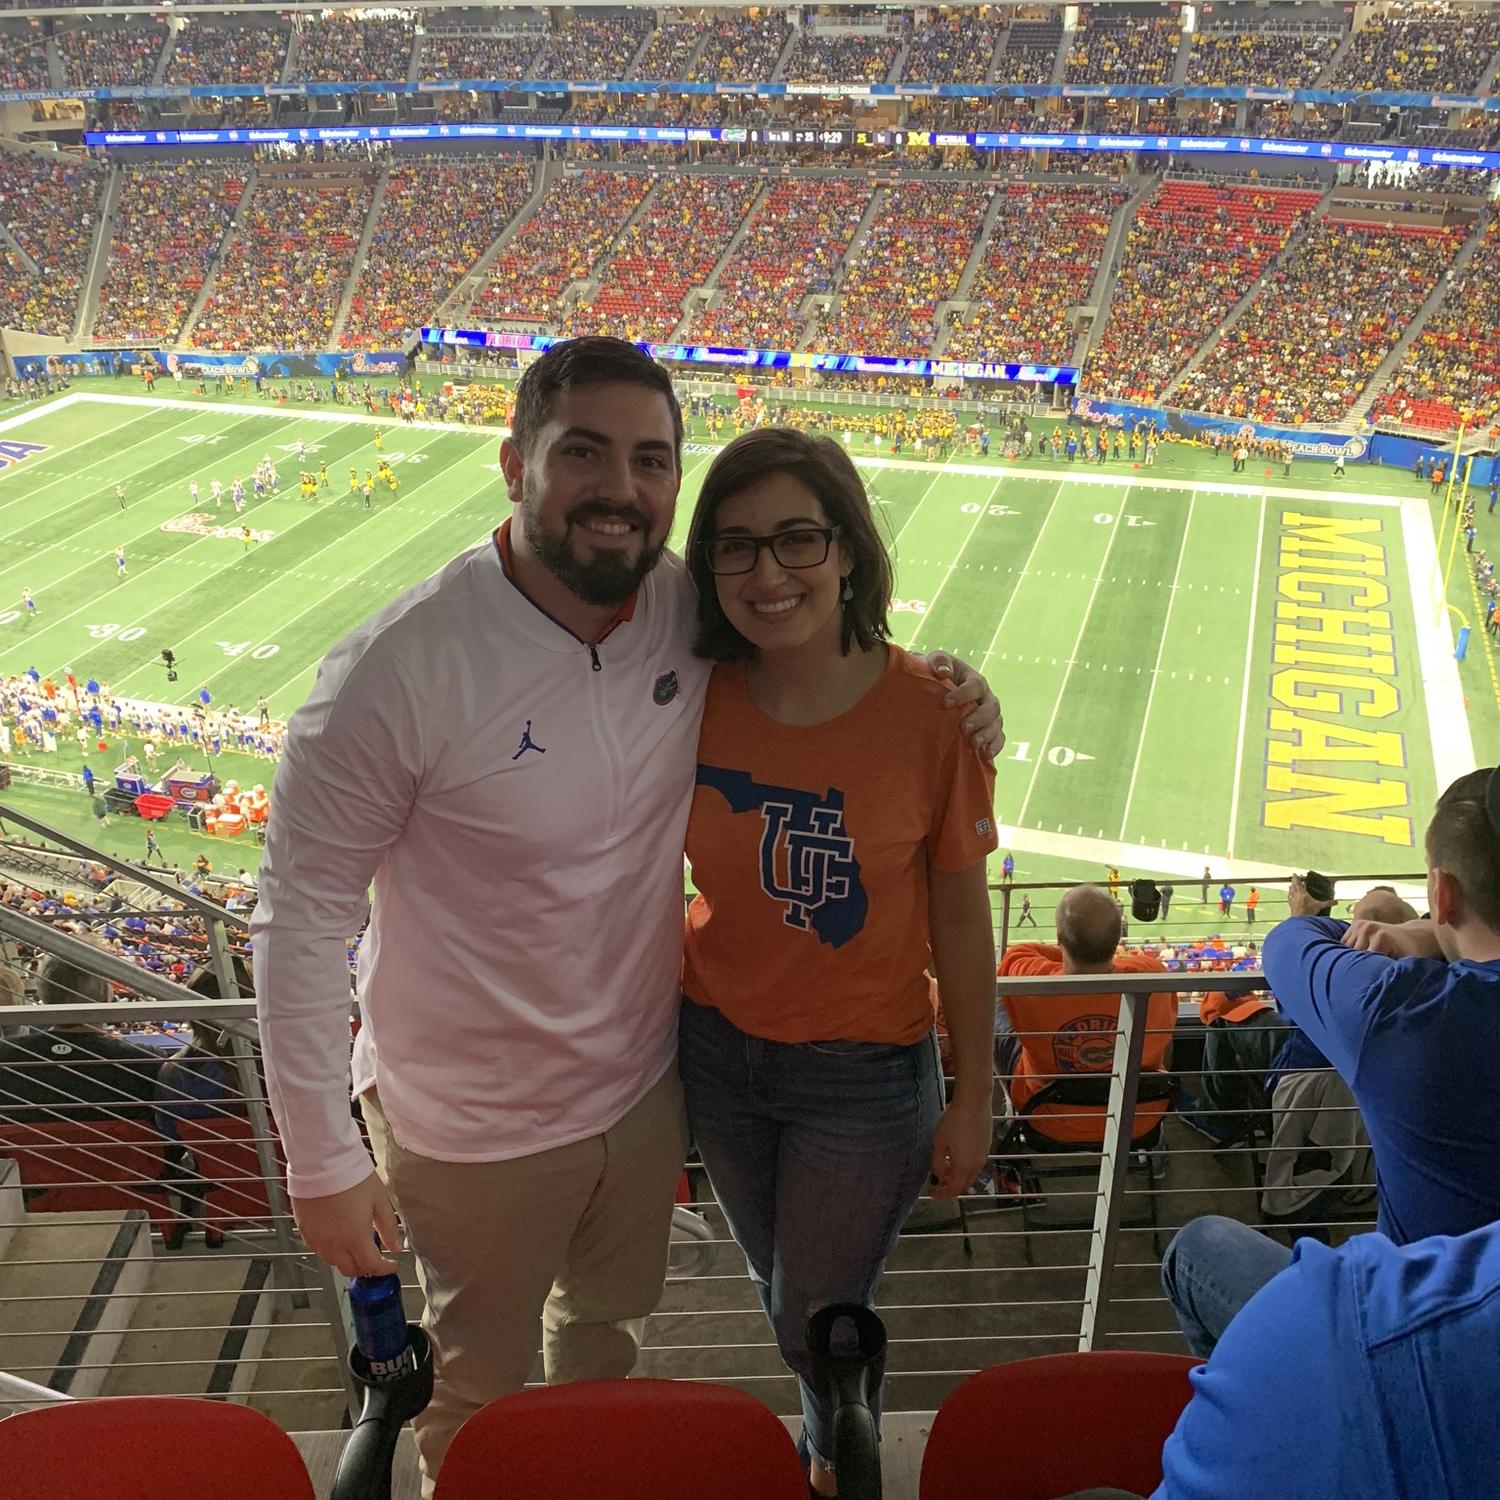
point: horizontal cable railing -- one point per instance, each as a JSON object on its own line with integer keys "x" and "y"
{"x": 157, "y": 1218}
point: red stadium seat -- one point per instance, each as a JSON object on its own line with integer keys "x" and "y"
{"x": 1127, "y": 1403}
{"x": 77, "y": 1166}
{"x": 148, "y": 1447}
{"x": 623, "y": 1440}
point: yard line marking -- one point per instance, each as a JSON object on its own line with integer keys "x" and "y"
{"x": 342, "y": 536}
{"x": 1005, "y": 613}
{"x": 26, "y": 465}
{"x": 1062, "y": 690}
{"x": 921, "y": 501}
{"x": 1156, "y": 670}
{"x": 110, "y": 516}
{"x": 95, "y": 558}
{"x": 963, "y": 547}
{"x": 1239, "y": 743}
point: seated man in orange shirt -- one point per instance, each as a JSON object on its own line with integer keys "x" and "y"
{"x": 1054, "y": 1035}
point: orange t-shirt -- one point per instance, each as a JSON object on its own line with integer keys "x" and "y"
{"x": 810, "y": 848}
{"x": 1076, "y": 1034}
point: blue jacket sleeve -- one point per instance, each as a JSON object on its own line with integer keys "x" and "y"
{"x": 1325, "y": 987}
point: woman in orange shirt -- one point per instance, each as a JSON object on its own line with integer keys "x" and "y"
{"x": 838, "y": 837}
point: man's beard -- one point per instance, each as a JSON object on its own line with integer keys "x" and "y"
{"x": 608, "y": 578}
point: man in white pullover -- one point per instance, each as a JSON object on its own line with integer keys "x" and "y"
{"x": 507, "y": 752}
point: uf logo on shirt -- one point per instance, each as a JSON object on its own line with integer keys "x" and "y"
{"x": 807, "y": 860}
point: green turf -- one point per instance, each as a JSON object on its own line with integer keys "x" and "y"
{"x": 1127, "y": 627}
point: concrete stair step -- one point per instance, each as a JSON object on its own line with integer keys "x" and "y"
{"x": 200, "y": 1328}
{"x": 69, "y": 1290}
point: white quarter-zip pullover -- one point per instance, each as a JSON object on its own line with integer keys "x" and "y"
{"x": 521, "y": 813}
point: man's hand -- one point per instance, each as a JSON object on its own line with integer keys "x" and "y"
{"x": 1300, "y": 903}
{"x": 1394, "y": 939}
{"x": 985, "y": 727}
{"x": 337, "y": 1227}
{"x": 961, "y": 1146}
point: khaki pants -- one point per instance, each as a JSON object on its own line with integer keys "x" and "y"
{"x": 576, "y": 1237}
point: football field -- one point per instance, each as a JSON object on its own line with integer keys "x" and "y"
{"x": 1190, "y": 671}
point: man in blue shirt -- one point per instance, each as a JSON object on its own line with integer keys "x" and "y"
{"x": 1409, "y": 1016}
{"x": 1389, "y": 1392}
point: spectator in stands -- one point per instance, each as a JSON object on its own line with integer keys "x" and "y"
{"x": 1123, "y": 49}
{"x": 593, "y": 47}
{"x": 1433, "y": 48}
{"x": 1039, "y": 1038}
{"x": 1260, "y": 59}
{"x": 571, "y": 230}
{"x": 397, "y": 291}
{"x": 1409, "y": 1015}
{"x": 169, "y": 222}
{"x": 812, "y": 1076}
{"x": 1044, "y": 245}
{"x": 74, "y": 1071}
{"x": 793, "y": 249}
{"x": 742, "y": 48}
{"x": 110, "y": 56}
{"x": 337, "y": 48}
{"x": 1322, "y": 324}
{"x": 466, "y": 56}
{"x": 49, "y": 208}
{"x": 1362, "y": 1373}
{"x": 205, "y": 53}
{"x": 912, "y": 257}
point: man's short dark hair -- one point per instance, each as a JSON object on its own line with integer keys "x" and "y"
{"x": 595, "y": 360}
{"x": 827, "y": 471}
{"x": 59, "y": 981}
{"x": 1463, "y": 839}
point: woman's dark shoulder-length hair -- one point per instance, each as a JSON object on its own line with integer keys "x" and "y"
{"x": 827, "y": 471}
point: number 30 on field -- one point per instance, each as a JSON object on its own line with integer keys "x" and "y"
{"x": 264, "y": 652}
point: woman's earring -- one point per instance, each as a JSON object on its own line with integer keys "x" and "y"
{"x": 848, "y": 593}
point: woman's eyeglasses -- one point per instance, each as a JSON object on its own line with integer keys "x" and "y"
{"x": 805, "y": 547}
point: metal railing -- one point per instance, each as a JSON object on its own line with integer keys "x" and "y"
{"x": 1056, "y": 1247}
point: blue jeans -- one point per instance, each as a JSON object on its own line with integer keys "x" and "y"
{"x": 816, "y": 1152}
{"x": 1212, "y": 1268}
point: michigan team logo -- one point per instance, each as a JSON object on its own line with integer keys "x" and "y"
{"x": 665, "y": 690}
{"x": 806, "y": 857}
{"x": 14, "y": 453}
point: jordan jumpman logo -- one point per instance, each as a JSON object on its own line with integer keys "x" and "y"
{"x": 527, "y": 743}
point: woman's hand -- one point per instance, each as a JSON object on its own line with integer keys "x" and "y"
{"x": 985, "y": 726}
{"x": 961, "y": 1145}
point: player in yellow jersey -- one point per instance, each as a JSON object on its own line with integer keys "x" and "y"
{"x": 323, "y": 476}
{"x": 353, "y": 481}
{"x": 390, "y": 478}
{"x": 380, "y": 439}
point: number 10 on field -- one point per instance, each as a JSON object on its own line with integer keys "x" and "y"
{"x": 1058, "y": 755}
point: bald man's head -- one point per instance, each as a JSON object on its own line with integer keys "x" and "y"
{"x": 1382, "y": 904}
{"x": 1088, "y": 926}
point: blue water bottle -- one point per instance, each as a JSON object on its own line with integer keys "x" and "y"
{"x": 380, "y": 1326}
